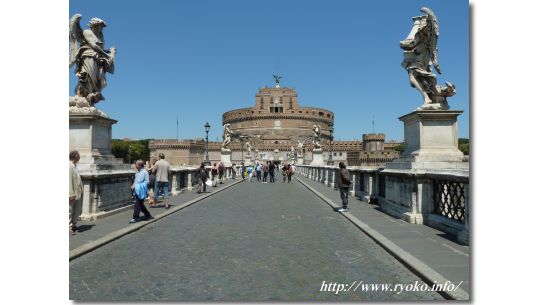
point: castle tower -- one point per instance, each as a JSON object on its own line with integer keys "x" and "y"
{"x": 373, "y": 141}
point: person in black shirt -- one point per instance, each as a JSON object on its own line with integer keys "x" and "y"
{"x": 271, "y": 171}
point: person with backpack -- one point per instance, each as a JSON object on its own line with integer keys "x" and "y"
{"x": 271, "y": 171}
{"x": 201, "y": 175}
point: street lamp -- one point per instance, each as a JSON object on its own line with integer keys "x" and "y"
{"x": 207, "y": 162}
{"x": 330, "y": 160}
{"x": 129, "y": 154}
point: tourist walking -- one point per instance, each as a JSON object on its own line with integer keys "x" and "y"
{"x": 242, "y": 171}
{"x": 344, "y": 186}
{"x": 265, "y": 170}
{"x": 258, "y": 172}
{"x": 271, "y": 171}
{"x": 150, "y": 165}
{"x": 75, "y": 191}
{"x": 214, "y": 173}
{"x": 291, "y": 171}
{"x": 221, "y": 170}
{"x": 201, "y": 176}
{"x": 284, "y": 172}
{"x": 139, "y": 189}
{"x": 161, "y": 170}
{"x": 249, "y": 172}
{"x": 234, "y": 171}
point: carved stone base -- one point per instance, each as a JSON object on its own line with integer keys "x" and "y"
{"x": 434, "y": 106}
{"x": 431, "y": 139}
{"x": 91, "y": 135}
{"x": 80, "y": 105}
{"x": 225, "y": 156}
{"x": 317, "y": 157}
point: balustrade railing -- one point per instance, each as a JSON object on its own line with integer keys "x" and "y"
{"x": 449, "y": 199}
{"x": 438, "y": 199}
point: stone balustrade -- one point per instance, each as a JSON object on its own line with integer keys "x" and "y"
{"x": 439, "y": 199}
{"x": 107, "y": 192}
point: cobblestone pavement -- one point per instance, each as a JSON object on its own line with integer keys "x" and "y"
{"x": 92, "y": 230}
{"x": 252, "y": 242}
{"x": 432, "y": 247}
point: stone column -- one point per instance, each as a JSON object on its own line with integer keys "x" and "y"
{"x": 189, "y": 180}
{"x": 175, "y": 183}
{"x": 353, "y": 178}
{"x": 333, "y": 180}
{"x": 87, "y": 209}
{"x": 421, "y": 201}
{"x": 370, "y": 184}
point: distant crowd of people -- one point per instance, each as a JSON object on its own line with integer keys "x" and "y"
{"x": 261, "y": 171}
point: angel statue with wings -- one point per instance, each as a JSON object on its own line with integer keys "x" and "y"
{"x": 87, "y": 51}
{"x": 300, "y": 147}
{"x": 227, "y": 136}
{"x": 420, "y": 53}
{"x": 317, "y": 135}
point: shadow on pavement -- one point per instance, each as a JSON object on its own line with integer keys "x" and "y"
{"x": 83, "y": 228}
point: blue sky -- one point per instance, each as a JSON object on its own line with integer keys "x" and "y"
{"x": 198, "y": 59}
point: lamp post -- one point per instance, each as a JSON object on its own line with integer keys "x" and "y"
{"x": 330, "y": 161}
{"x": 129, "y": 154}
{"x": 207, "y": 162}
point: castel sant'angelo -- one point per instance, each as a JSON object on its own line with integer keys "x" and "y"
{"x": 277, "y": 118}
{"x": 277, "y": 127}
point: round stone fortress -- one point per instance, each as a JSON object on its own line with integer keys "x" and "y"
{"x": 277, "y": 118}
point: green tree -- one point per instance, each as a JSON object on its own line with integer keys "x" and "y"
{"x": 399, "y": 147}
{"x": 130, "y": 150}
{"x": 463, "y": 145}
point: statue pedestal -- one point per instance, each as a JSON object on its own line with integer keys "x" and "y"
{"x": 106, "y": 179}
{"x": 431, "y": 141}
{"x": 300, "y": 160}
{"x": 226, "y": 156}
{"x": 248, "y": 161}
{"x": 317, "y": 157}
{"x": 91, "y": 135}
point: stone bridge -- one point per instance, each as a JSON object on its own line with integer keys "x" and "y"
{"x": 254, "y": 241}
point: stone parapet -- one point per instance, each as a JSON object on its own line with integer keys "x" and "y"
{"x": 437, "y": 198}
